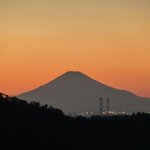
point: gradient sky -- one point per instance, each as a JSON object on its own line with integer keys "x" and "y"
{"x": 108, "y": 40}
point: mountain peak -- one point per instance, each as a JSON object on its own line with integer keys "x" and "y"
{"x": 73, "y": 75}
{"x": 73, "y": 72}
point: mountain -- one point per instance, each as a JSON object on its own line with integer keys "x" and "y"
{"x": 75, "y": 92}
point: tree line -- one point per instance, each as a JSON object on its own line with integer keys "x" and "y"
{"x": 27, "y": 125}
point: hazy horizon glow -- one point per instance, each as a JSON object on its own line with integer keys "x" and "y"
{"x": 107, "y": 40}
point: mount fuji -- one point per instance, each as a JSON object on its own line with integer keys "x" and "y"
{"x": 75, "y": 92}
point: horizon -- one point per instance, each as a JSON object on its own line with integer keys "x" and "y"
{"x": 107, "y": 40}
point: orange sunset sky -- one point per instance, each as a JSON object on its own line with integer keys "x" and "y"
{"x": 108, "y": 40}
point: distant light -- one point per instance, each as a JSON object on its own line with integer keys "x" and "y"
{"x": 4, "y": 96}
{"x": 82, "y": 113}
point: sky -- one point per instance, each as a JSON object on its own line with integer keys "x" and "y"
{"x": 109, "y": 40}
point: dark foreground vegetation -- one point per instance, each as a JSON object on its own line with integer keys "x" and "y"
{"x": 31, "y": 126}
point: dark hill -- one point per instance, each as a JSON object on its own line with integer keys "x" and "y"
{"x": 32, "y": 126}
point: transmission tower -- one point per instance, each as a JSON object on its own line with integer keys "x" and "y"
{"x": 108, "y": 100}
{"x": 101, "y": 106}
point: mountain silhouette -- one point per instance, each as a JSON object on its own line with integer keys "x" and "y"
{"x": 75, "y": 92}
